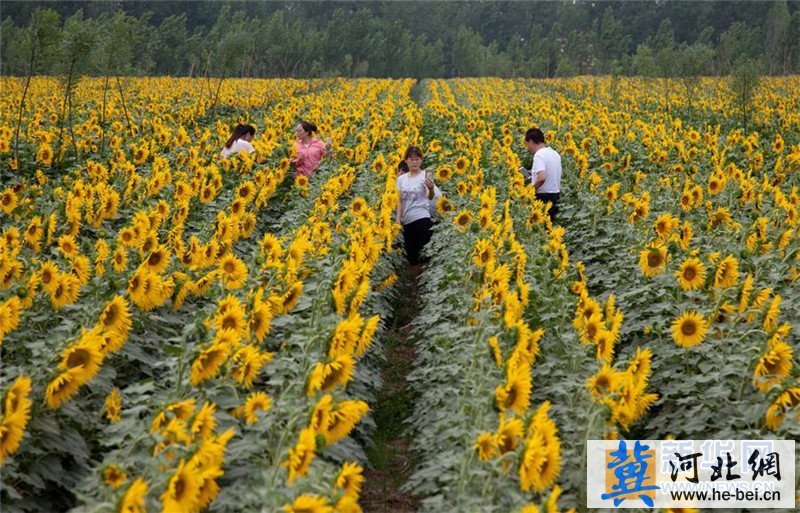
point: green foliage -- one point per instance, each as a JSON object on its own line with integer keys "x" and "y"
{"x": 402, "y": 39}
{"x": 746, "y": 79}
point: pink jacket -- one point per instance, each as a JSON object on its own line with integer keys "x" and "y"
{"x": 308, "y": 157}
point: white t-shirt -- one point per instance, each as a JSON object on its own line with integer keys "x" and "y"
{"x": 239, "y": 145}
{"x": 548, "y": 160}
{"x": 414, "y": 196}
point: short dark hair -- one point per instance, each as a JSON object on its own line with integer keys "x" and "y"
{"x": 308, "y": 127}
{"x": 239, "y": 132}
{"x": 535, "y": 135}
{"x": 413, "y": 150}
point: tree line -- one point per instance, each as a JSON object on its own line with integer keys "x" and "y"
{"x": 399, "y": 39}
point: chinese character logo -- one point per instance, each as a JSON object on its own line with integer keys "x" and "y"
{"x": 631, "y": 474}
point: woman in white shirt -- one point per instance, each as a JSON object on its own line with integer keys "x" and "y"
{"x": 239, "y": 141}
{"x": 416, "y": 191}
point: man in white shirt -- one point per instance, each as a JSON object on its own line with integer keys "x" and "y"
{"x": 545, "y": 172}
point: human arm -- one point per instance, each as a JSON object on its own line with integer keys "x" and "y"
{"x": 399, "y": 213}
{"x": 538, "y": 179}
{"x": 537, "y": 172}
{"x": 433, "y": 191}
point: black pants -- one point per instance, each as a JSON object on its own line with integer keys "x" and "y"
{"x": 415, "y": 236}
{"x": 552, "y": 197}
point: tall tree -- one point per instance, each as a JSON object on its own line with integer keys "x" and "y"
{"x": 777, "y": 45}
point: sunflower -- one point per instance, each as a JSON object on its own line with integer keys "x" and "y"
{"x": 233, "y": 271}
{"x": 62, "y": 388}
{"x": 652, "y": 261}
{"x": 443, "y": 205}
{"x": 358, "y": 207}
{"x": 508, "y": 434}
{"x": 773, "y": 366}
{"x": 691, "y": 274}
{"x": 246, "y": 191}
{"x": 516, "y": 393}
{"x": 776, "y": 413}
{"x": 591, "y": 327}
{"x": 727, "y": 274}
{"x": 640, "y": 366}
{"x": 114, "y": 476}
{"x": 604, "y": 382}
{"x": 116, "y": 316}
{"x": 260, "y": 319}
{"x": 689, "y": 329}
{"x": 350, "y": 478}
{"x": 81, "y": 268}
{"x": 365, "y": 339}
{"x": 483, "y": 255}
{"x": 326, "y": 375}
{"x": 84, "y": 357}
{"x": 291, "y": 297}
{"x": 342, "y": 420}
{"x": 443, "y": 173}
{"x": 231, "y": 316}
{"x": 604, "y": 342}
{"x": 44, "y": 154}
{"x": 157, "y": 260}
{"x": 541, "y": 461}
{"x": 134, "y": 500}
{"x": 68, "y": 246}
{"x": 486, "y": 446}
{"x": 716, "y": 184}
{"x": 10, "y": 311}
{"x": 247, "y": 363}
{"x": 257, "y": 401}
{"x": 665, "y": 224}
{"x": 771, "y": 315}
{"x": 183, "y": 489}
{"x": 301, "y": 455}
{"x": 301, "y": 181}
{"x": 8, "y": 201}
{"x": 16, "y": 412}
{"x": 462, "y": 163}
{"x": 113, "y": 406}
{"x": 208, "y": 363}
{"x": 309, "y": 503}
{"x": 120, "y": 259}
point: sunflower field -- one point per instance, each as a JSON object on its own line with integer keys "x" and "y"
{"x": 183, "y": 333}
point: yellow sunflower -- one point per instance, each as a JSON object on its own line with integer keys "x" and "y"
{"x": 727, "y": 274}
{"x": 773, "y": 366}
{"x": 350, "y": 478}
{"x": 653, "y": 260}
{"x": 257, "y": 401}
{"x": 233, "y": 271}
{"x": 113, "y": 406}
{"x": 114, "y": 476}
{"x": 689, "y": 329}
{"x": 183, "y": 489}
{"x": 309, "y": 503}
{"x": 691, "y": 274}
{"x": 134, "y": 500}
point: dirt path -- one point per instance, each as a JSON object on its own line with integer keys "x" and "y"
{"x": 391, "y": 458}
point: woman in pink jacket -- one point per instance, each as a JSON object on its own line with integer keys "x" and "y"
{"x": 308, "y": 149}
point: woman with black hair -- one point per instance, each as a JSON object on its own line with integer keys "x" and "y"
{"x": 239, "y": 141}
{"x": 308, "y": 149}
{"x": 416, "y": 193}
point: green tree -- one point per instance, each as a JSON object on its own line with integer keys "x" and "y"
{"x": 776, "y": 44}
{"x": 745, "y": 83}
{"x": 77, "y": 40}
{"x": 39, "y": 44}
{"x": 738, "y": 42}
{"x": 467, "y": 53}
{"x": 612, "y": 42}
